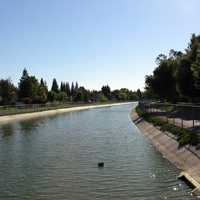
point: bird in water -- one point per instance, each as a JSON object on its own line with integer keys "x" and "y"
{"x": 101, "y": 164}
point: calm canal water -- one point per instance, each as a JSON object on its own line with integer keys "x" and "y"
{"x": 56, "y": 158}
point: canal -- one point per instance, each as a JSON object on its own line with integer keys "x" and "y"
{"x": 56, "y": 158}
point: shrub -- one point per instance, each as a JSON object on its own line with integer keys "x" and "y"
{"x": 103, "y": 98}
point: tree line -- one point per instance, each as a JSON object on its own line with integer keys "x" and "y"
{"x": 177, "y": 75}
{"x": 30, "y": 90}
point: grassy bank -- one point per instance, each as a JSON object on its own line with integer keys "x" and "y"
{"x": 183, "y": 136}
{"x": 13, "y": 110}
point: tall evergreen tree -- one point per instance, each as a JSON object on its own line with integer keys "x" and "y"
{"x": 67, "y": 89}
{"x": 54, "y": 87}
{"x": 42, "y": 82}
{"x": 28, "y": 88}
{"x": 139, "y": 94}
{"x": 42, "y": 92}
{"x": 72, "y": 89}
{"x": 62, "y": 87}
{"x": 76, "y": 86}
{"x": 24, "y": 85}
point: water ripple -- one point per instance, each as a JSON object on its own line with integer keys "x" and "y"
{"x": 56, "y": 158}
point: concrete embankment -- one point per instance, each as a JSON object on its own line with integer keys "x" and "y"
{"x": 26, "y": 116}
{"x": 182, "y": 158}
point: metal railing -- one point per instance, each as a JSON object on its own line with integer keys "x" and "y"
{"x": 27, "y": 108}
{"x": 182, "y": 115}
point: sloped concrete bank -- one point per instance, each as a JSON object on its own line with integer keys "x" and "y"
{"x": 182, "y": 158}
{"x": 26, "y": 116}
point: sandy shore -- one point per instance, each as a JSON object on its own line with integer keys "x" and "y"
{"x": 182, "y": 158}
{"x": 26, "y": 116}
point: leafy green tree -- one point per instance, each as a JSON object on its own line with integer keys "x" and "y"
{"x": 106, "y": 91}
{"x": 177, "y": 77}
{"x": 94, "y": 95}
{"x": 133, "y": 96}
{"x": 8, "y": 92}
{"x": 81, "y": 95}
{"x": 103, "y": 98}
{"x": 195, "y": 65}
{"x": 61, "y": 96}
{"x": 28, "y": 88}
{"x": 115, "y": 94}
{"x": 139, "y": 94}
{"x": 184, "y": 80}
{"x": 34, "y": 88}
{"x": 193, "y": 48}
{"x": 42, "y": 92}
{"x": 122, "y": 96}
{"x": 163, "y": 81}
{"x": 51, "y": 96}
{"x": 188, "y": 71}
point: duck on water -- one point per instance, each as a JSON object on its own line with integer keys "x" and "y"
{"x": 101, "y": 164}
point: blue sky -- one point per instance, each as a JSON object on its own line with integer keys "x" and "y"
{"x": 94, "y": 42}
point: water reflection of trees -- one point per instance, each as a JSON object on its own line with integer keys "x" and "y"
{"x": 6, "y": 130}
{"x": 28, "y": 126}
{"x": 25, "y": 126}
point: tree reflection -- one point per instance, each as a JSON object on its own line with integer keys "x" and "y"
{"x": 6, "y": 130}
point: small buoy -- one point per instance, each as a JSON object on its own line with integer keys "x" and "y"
{"x": 101, "y": 164}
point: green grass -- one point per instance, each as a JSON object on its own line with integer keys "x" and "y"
{"x": 184, "y": 136}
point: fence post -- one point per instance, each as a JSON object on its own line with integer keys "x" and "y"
{"x": 174, "y": 116}
{"x": 167, "y": 116}
{"x": 192, "y": 117}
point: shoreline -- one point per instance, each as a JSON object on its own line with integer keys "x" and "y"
{"x": 25, "y": 116}
{"x": 182, "y": 158}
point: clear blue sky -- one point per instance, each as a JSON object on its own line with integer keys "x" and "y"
{"x": 94, "y": 42}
